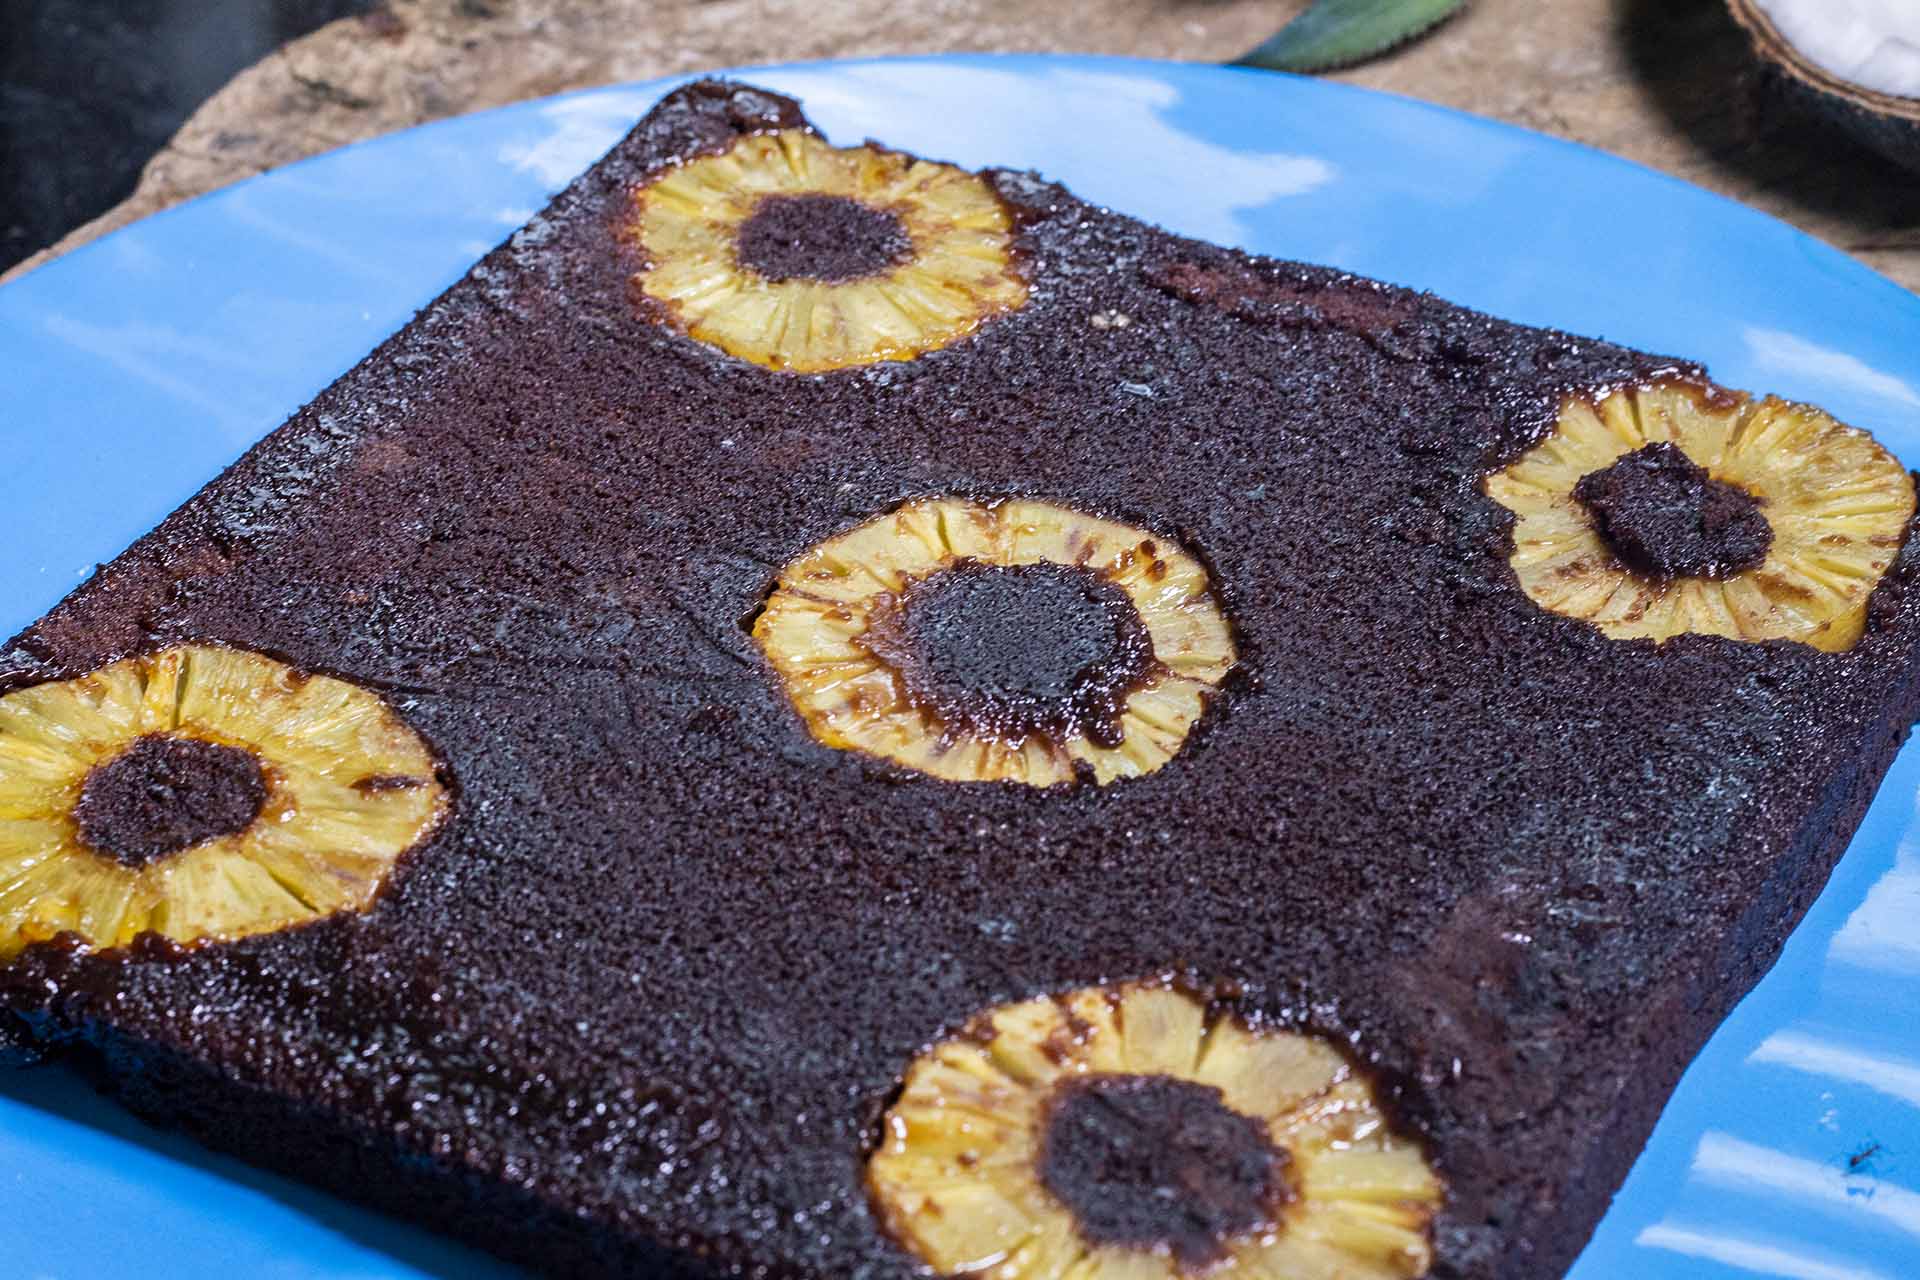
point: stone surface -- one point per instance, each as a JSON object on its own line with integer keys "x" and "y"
{"x": 1669, "y": 83}
{"x": 91, "y": 89}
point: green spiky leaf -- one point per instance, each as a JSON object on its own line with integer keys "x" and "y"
{"x": 1339, "y": 33}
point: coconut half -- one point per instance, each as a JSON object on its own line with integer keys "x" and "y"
{"x": 1856, "y": 62}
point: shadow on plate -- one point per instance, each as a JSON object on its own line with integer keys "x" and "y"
{"x": 1698, "y": 68}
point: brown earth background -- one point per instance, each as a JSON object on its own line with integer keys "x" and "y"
{"x": 1669, "y": 83}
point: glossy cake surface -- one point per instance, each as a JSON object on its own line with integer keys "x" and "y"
{"x": 642, "y": 1000}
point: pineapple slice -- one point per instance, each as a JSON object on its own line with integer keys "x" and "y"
{"x": 200, "y": 792}
{"x": 796, "y": 255}
{"x": 1835, "y": 507}
{"x": 1133, "y": 1131}
{"x": 1014, "y": 641}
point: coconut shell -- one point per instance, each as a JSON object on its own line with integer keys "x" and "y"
{"x": 1887, "y": 124}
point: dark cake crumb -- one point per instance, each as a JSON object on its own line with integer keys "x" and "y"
{"x": 1010, "y": 651}
{"x": 831, "y": 239}
{"x": 164, "y": 794}
{"x": 1666, "y": 518}
{"x": 1150, "y": 1162}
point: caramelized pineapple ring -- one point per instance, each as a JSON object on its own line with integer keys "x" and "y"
{"x": 1783, "y": 536}
{"x": 200, "y": 792}
{"x": 801, "y": 256}
{"x": 1010, "y": 641}
{"x": 1131, "y": 1133}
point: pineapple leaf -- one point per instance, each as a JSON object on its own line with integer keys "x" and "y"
{"x": 1339, "y": 33}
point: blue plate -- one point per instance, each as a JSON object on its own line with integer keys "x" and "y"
{"x": 136, "y": 368}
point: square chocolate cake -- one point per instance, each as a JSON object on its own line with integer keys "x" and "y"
{"x": 824, "y": 715}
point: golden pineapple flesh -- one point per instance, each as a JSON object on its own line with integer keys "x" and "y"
{"x": 1835, "y": 503}
{"x": 800, "y": 256}
{"x": 318, "y": 787}
{"x": 967, "y": 1174}
{"x": 832, "y": 630}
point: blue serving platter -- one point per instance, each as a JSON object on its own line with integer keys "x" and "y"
{"x": 132, "y": 370}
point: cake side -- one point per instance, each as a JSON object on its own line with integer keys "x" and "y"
{"x": 663, "y": 967}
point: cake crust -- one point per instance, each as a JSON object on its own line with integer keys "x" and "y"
{"x": 638, "y": 1004}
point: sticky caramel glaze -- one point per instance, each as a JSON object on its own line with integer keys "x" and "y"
{"x": 832, "y": 239}
{"x": 164, "y": 794}
{"x": 1006, "y": 652}
{"x": 640, "y": 1003}
{"x": 1155, "y": 1164}
{"x": 1665, "y": 517}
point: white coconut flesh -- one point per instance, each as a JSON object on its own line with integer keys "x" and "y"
{"x": 1871, "y": 43}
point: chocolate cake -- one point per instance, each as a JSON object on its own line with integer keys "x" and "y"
{"x": 819, "y": 715}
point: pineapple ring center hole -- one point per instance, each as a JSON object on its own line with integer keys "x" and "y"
{"x": 166, "y": 793}
{"x": 828, "y": 239}
{"x": 1155, "y": 1163}
{"x": 1660, "y": 512}
{"x": 1013, "y": 651}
